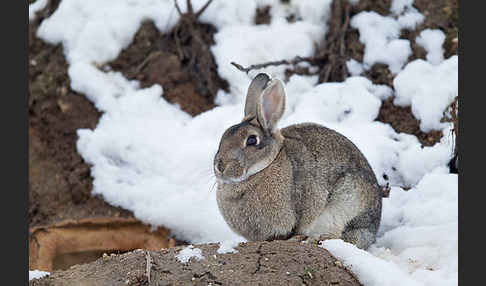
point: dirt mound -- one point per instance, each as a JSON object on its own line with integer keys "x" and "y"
{"x": 256, "y": 263}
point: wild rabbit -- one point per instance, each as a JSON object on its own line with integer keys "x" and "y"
{"x": 304, "y": 180}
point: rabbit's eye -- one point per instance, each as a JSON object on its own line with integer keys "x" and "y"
{"x": 251, "y": 140}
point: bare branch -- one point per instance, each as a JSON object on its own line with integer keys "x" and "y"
{"x": 203, "y": 9}
{"x": 190, "y": 11}
{"x": 293, "y": 61}
{"x": 149, "y": 265}
{"x": 344, "y": 28}
{"x": 177, "y": 7}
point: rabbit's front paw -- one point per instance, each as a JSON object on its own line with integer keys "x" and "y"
{"x": 318, "y": 239}
{"x": 298, "y": 238}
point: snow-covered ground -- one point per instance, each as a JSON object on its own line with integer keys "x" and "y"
{"x": 35, "y": 7}
{"x": 34, "y": 274}
{"x": 189, "y": 252}
{"x": 150, "y": 157}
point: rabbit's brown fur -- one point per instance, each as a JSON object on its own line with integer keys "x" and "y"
{"x": 303, "y": 179}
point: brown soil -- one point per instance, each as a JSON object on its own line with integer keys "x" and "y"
{"x": 59, "y": 180}
{"x": 180, "y": 61}
{"x": 443, "y": 15}
{"x": 256, "y": 263}
{"x": 402, "y": 120}
{"x": 262, "y": 15}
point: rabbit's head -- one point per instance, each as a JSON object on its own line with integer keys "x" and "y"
{"x": 250, "y": 146}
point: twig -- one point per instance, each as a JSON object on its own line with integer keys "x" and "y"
{"x": 189, "y": 7}
{"x": 342, "y": 50}
{"x": 293, "y": 61}
{"x": 203, "y": 8}
{"x": 149, "y": 265}
{"x": 177, "y": 7}
{"x": 144, "y": 63}
{"x": 327, "y": 73}
{"x": 347, "y": 12}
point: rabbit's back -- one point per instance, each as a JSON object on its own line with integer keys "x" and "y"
{"x": 324, "y": 148}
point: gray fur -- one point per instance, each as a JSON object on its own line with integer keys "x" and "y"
{"x": 271, "y": 105}
{"x": 303, "y": 179}
{"x": 255, "y": 89}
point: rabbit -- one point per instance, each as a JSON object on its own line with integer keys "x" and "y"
{"x": 304, "y": 180}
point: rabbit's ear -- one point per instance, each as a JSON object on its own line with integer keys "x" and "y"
{"x": 255, "y": 89}
{"x": 271, "y": 105}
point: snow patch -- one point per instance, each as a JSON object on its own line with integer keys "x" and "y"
{"x": 418, "y": 241}
{"x": 380, "y": 35}
{"x": 35, "y": 7}
{"x": 408, "y": 16}
{"x": 233, "y": 45}
{"x": 314, "y": 12}
{"x": 35, "y": 274}
{"x": 411, "y": 19}
{"x": 432, "y": 41}
{"x": 227, "y": 246}
{"x": 355, "y": 68}
{"x": 189, "y": 252}
{"x": 419, "y": 229}
{"x": 369, "y": 269}
{"x": 429, "y": 89}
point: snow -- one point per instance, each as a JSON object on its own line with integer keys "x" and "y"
{"x": 35, "y": 274}
{"x": 189, "y": 252}
{"x": 35, "y": 7}
{"x": 411, "y": 19}
{"x": 407, "y": 16}
{"x": 380, "y": 35}
{"x": 432, "y": 41}
{"x": 153, "y": 159}
{"x": 369, "y": 269}
{"x": 227, "y": 246}
{"x": 429, "y": 89}
{"x": 313, "y": 12}
{"x": 355, "y": 68}
{"x": 399, "y": 6}
{"x": 98, "y": 31}
{"x": 232, "y": 45}
{"x": 418, "y": 241}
